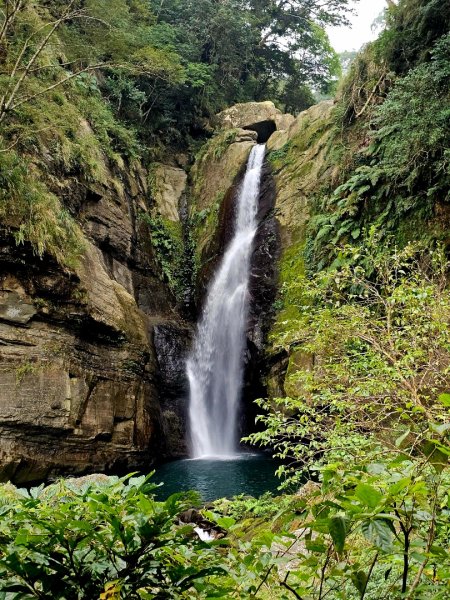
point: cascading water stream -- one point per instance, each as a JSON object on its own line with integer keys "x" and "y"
{"x": 215, "y": 365}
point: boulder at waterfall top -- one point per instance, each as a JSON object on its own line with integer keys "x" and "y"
{"x": 262, "y": 117}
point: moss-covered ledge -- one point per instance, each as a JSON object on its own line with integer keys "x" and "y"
{"x": 216, "y": 170}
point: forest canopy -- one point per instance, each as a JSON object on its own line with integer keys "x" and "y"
{"x": 150, "y": 59}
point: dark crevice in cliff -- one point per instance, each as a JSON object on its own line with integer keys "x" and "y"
{"x": 187, "y": 304}
{"x": 264, "y": 129}
{"x": 172, "y": 342}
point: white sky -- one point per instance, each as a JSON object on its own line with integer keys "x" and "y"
{"x": 345, "y": 38}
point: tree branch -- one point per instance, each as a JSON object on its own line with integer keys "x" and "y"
{"x": 430, "y": 541}
{"x": 5, "y": 104}
{"x": 9, "y": 17}
{"x": 371, "y": 95}
{"x": 291, "y": 589}
{"x": 55, "y": 85}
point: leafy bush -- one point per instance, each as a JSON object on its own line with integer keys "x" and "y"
{"x": 243, "y": 507}
{"x": 363, "y": 87}
{"x": 378, "y": 529}
{"x": 367, "y": 418}
{"x": 100, "y": 540}
{"x": 369, "y": 356}
{"x": 410, "y": 145}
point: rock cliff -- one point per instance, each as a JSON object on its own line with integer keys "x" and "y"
{"x": 80, "y": 375}
{"x": 303, "y": 162}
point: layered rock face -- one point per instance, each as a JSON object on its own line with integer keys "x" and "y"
{"x": 80, "y": 385}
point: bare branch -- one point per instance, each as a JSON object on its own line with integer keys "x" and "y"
{"x": 5, "y": 104}
{"x": 10, "y": 17}
{"x": 8, "y": 102}
{"x": 371, "y": 95}
{"x": 55, "y": 85}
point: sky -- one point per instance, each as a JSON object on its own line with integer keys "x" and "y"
{"x": 345, "y": 38}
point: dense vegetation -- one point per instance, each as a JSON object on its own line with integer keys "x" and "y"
{"x": 366, "y": 325}
{"x": 393, "y": 129}
{"x": 157, "y": 57}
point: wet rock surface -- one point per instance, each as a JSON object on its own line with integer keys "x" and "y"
{"x": 172, "y": 343}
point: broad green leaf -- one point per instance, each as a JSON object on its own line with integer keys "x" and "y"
{"x": 445, "y": 400}
{"x": 225, "y": 522}
{"x": 379, "y": 533}
{"x": 418, "y": 557}
{"x": 440, "y": 429}
{"x": 137, "y": 481}
{"x": 266, "y": 538}
{"x": 338, "y": 531}
{"x": 399, "y": 441}
{"x": 438, "y": 551}
{"x": 315, "y": 546}
{"x": 437, "y": 454}
{"x": 321, "y": 525}
{"x": 368, "y": 495}
{"x": 399, "y": 486}
{"x": 359, "y": 580}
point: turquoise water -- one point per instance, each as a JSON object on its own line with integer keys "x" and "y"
{"x": 250, "y": 474}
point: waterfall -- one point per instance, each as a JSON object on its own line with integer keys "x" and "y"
{"x": 215, "y": 365}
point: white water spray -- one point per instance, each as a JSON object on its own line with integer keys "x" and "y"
{"x": 215, "y": 365}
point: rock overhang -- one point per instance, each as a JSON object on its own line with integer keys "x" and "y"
{"x": 262, "y": 117}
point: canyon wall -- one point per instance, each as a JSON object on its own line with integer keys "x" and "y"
{"x": 92, "y": 356}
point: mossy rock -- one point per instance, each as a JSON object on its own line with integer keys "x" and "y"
{"x": 298, "y": 361}
{"x": 215, "y": 172}
{"x": 301, "y": 166}
{"x": 217, "y": 165}
{"x": 291, "y": 271}
{"x": 167, "y": 186}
